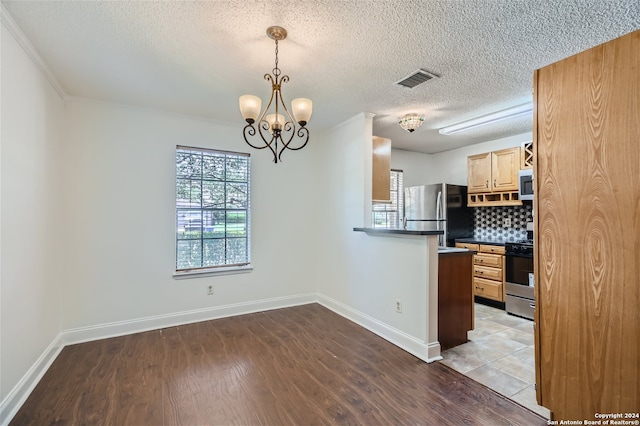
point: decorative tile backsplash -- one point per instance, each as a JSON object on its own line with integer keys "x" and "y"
{"x": 489, "y": 222}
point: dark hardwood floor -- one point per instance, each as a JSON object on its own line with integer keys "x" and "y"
{"x": 294, "y": 366}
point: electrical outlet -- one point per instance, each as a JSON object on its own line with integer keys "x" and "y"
{"x": 398, "y": 305}
{"x": 507, "y": 222}
{"x": 209, "y": 290}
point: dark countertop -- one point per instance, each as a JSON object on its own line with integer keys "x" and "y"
{"x": 488, "y": 241}
{"x": 383, "y": 231}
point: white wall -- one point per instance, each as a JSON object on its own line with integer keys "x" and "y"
{"x": 360, "y": 272}
{"x": 417, "y": 167}
{"x": 32, "y": 125}
{"x": 119, "y": 189}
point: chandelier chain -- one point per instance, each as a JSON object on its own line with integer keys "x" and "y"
{"x": 276, "y": 70}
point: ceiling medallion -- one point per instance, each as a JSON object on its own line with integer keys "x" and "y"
{"x": 276, "y": 127}
{"x": 411, "y": 122}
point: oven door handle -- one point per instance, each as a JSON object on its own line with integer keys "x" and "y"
{"x": 509, "y": 253}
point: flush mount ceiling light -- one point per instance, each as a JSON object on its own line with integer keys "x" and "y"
{"x": 411, "y": 122}
{"x": 495, "y": 117}
{"x": 276, "y": 127}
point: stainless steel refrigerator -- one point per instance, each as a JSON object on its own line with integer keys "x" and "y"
{"x": 439, "y": 206}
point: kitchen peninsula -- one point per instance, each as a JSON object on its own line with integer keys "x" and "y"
{"x": 439, "y": 304}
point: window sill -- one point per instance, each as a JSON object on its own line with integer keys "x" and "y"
{"x": 212, "y": 272}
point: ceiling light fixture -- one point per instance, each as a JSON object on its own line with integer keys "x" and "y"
{"x": 495, "y": 117}
{"x": 411, "y": 122}
{"x": 276, "y": 129}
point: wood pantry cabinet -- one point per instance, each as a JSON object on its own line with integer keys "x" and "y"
{"x": 493, "y": 178}
{"x": 488, "y": 270}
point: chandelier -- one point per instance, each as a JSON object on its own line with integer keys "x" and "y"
{"x": 411, "y": 122}
{"x": 276, "y": 128}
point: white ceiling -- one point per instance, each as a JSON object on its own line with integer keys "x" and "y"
{"x": 198, "y": 57}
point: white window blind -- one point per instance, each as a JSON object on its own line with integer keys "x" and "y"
{"x": 212, "y": 209}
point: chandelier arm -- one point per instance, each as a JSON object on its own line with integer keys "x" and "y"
{"x": 263, "y": 128}
{"x": 263, "y": 124}
{"x": 285, "y": 79}
{"x": 249, "y": 129}
{"x": 273, "y": 86}
{"x": 303, "y": 132}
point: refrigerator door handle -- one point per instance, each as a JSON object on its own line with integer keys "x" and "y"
{"x": 439, "y": 217}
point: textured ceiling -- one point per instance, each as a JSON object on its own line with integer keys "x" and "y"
{"x": 198, "y": 57}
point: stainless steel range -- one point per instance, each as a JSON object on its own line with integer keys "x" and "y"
{"x": 519, "y": 278}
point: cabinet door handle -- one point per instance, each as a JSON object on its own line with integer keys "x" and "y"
{"x": 494, "y": 183}
{"x": 486, "y": 184}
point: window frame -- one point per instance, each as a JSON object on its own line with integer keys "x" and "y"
{"x": 222, "y": 269}
{"x": 399, "y": 207}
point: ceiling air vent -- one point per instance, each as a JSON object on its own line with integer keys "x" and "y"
{"x": 416, "y": 78}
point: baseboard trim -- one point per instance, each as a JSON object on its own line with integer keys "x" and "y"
{"x": 122, "y": 328}
{"x": 21, "y": 391}
{"x": 427, "y": 352}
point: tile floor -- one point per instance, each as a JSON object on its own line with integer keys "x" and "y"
{"x": 499, "y": 355}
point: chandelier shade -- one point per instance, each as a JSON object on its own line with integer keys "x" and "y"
{"x": 411, "y": 122}
{"x": 302, "y": 109}
{"x": 250, "y": 107}
{"x": 276, "y": 122}
{"x": 275, "y": 127}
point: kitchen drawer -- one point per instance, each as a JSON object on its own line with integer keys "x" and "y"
{"x": 488, "y": 273}
{"x": 491, "y": 249}
{"x": 487, "y": 288}
{"x": 468, "y": 246}
{"x": 486, "y": 259}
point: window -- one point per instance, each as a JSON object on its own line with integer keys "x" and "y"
{"x": 212, "y": 209}
{"x": 390, "y": 215}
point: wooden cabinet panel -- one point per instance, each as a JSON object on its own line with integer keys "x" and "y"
{"x": 486, "y": 248}
{"x": 504, "y": 169}
{"x": 488, "y": 273}
{"x": 487, "y": 288}
{"x": 479, "y": 173}
{"x": 486, "y": 259}
{"x": 381, "y": 170}
{"x": 587, "y": 239}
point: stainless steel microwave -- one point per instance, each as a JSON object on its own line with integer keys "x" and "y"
{"x": 526, "y": 184}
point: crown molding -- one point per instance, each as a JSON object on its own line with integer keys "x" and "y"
{"x": 10, "y": 24}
